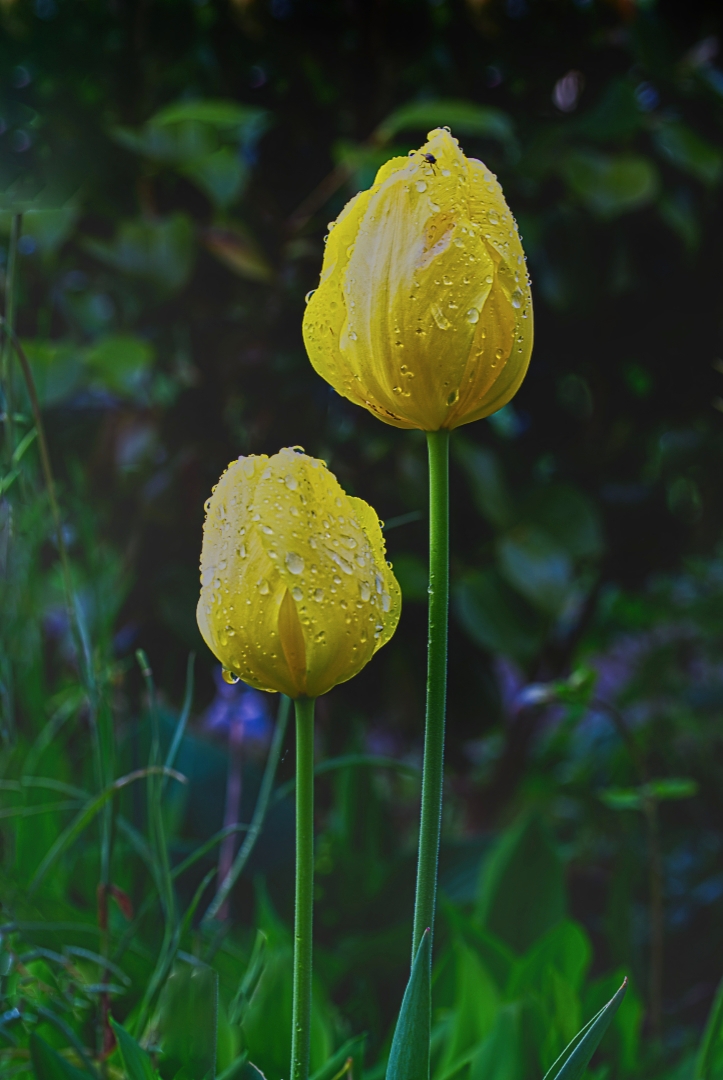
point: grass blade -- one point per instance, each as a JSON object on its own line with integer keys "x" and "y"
{"x": 575, "y": 1058}
{"x": 409, "y": 1055}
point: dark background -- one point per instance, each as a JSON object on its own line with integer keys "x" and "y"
{"x": 160, "y": 290}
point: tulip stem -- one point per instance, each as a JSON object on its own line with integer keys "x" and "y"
{"x": 433, "y": 767}
{"x": 304, "y": 894}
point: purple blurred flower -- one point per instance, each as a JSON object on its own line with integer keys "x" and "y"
{"x": 238, "y": 711}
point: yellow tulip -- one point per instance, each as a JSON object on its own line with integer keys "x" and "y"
{"x": 296, "y": 593}
{"x": 423, "y": 313}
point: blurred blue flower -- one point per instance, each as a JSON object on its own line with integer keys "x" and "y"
{"x": 238, "y": 711}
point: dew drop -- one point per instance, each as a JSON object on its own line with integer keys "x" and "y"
{"x": 440, "y": 318}
{"x": 230, "y": 677}
{"x": 473, "y": 315}
{"x": 297, "y": 593}
{"x": 420, "y": 185}
{"x": 386, "y": 602}
{"x": 318, "y": 595}
{"x": 320, "y": 637}
{"x": 294, "y": 563}
{"x": 453, "y": 397}
{"x": 517, "y": 298}
{"x": 352, "y": 336}
{"x": 310, "y": 293}
{"x": 291, "y": 482}
{"x": 264, "y": 587}
{"x": 365, "y": 591}
{"x": 499, "y": 353}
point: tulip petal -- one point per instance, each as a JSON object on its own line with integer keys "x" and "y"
{"x": 423, "y": 312}
{"x": 296, "y": 593}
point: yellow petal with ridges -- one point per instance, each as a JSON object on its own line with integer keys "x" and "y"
{"x": 296, "y": 593}
{"x": 423, "y": 313}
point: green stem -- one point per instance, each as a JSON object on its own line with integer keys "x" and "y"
{"x": 304, "y": 895}
{"x": 433, "y": 767}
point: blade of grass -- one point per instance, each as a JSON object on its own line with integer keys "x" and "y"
{"x": 86, "y": 815}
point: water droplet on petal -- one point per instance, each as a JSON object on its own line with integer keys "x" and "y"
{"x": 297, "y": 593}
{"x": 264, "y": 587}
{"x": 230, "y": 677}
{"x": 454, "y": 396}
{"x": 291, "y": 482}
{"x": 365, "y": 591}
{"x": 517, "y": 298}
{"x": 420, "y": 185}
{"x": 473, "y": 315}
{"x": 309, "y": 295}
{"x": 294, "y": 563}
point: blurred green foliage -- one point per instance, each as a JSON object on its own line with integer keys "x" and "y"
{"x": 175, "y": 165}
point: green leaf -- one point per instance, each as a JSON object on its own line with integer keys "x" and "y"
{"x": 463, "y": 117}
{"x": 158, "y": 251}
{"x": 487, "y": 483}
{"x": 709, "y": 1063}
{"x": 537, "y": 567}
{"x": 610, "y": 185}
{"x": 409, "y": 1055}
{"x": 566, "y": 947}
{"x": 221, "y": 175}
{"x": 689, "y": 152}
{"x": 666, "y": 788}
{"x": 672, "y": 787}
{"x": 495, "y": 617}
{"x": 187, "y": 1019}
{"x": 219, "y": 114}
{"x": 136, "y": 1061}
{"x": 575, "y": 1058}
{"x": 502, "y": 1055}
{"x": 120, "y": 361}
{"x": 49, "y": 1065}
{"x": 353, "y": 1048}
{"x": 570, "y": 518}
{"x": 522, "y": 889}
{"x": 476, "y": 1002}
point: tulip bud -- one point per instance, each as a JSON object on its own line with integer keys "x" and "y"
{"x": 423, "y": 313}
{"x": 296, "y": 593}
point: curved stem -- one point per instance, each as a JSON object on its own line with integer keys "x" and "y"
{"x": 304, "y": 896}
{"x": 433, "y": 768}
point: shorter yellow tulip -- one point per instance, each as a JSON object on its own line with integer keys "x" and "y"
{"x": 296, "y": 593}
{"x": 423, "y": 313}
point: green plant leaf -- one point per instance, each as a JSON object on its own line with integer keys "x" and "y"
{"x": 464, "y": 117}
{"x": 496, "y": 617}
{"x": 49, "y": 1065}
{"x": 689, "y": 152}
{"x": 537, "y": 567}
{"x": 709, "y": 1062}
{"x": 158, "y": 251}
{"x": 187, "y": 1019}
{"x": 575, "y": 1058}
{"x": 522, "y": 889}
{"x": 502, "y": 1055}
{"x": 487, "y": 483}
{"x": 136, "y": 1061}
{"x": 610, "y": 185}
{"x": 353, "y": 1048}
{"x": 409, "y": 1055}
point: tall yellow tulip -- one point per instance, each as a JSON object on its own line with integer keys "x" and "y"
{"x": 296, "y": 593}
{"x": 423, "y": 313}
